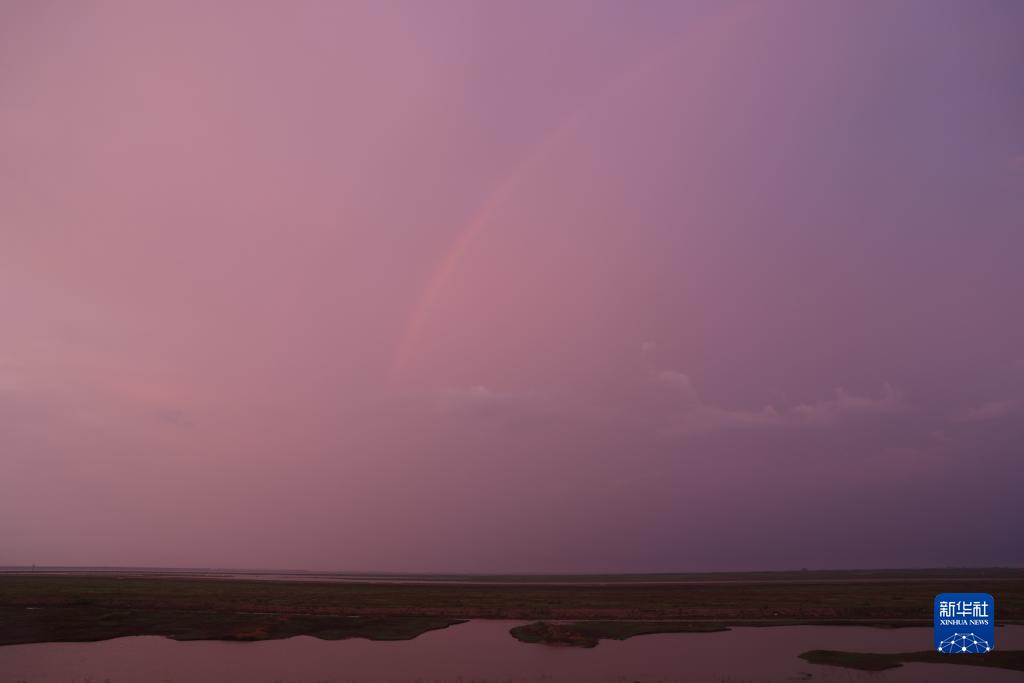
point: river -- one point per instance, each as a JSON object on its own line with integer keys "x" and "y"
{"x": 483, "y": 650}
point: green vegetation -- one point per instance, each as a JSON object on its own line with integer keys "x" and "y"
{"x": 868, "y": 661}
{"x": 589, "y": 633}
{"x": 40, "y": 607}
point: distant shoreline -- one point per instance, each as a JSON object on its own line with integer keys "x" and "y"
{"x": 806, "y": 576}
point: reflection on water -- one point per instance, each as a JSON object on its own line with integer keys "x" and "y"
{"x": 484, "y": 651}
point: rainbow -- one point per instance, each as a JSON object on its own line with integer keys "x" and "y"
{"x": 707, "y": 29}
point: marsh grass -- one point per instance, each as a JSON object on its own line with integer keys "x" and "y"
{"x": 40, "y": 608}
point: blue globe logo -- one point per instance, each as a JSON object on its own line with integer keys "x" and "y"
{"x": 960, "y": 643}
{"x": 964, "y": 623}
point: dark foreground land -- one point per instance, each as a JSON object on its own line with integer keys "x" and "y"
{"x": 868, "y": 661}
{"x": 40, "y": 607}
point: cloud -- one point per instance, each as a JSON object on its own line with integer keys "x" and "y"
{"x": 680, "y": 382}
{"x": 991, "y": 410}
{"x": 692, "y": 415}
{"x": 481, "y": 400}
{"x": 1010, "y": 401}
{"x": 845, "y": 404}
{"x": 54, "y": 392}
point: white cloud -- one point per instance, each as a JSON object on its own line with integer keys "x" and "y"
{"x": 680, "y": 382}
{"x": 1009, "y": 404}
{"x": 845, "y": 404}
{"x": 692, "y": 415}
{"x": 481, "y": 400}
{"x": 991, "y": 410}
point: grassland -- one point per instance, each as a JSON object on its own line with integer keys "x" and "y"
{"x": 85, "y": 623}
{"x": 40, "y": 607}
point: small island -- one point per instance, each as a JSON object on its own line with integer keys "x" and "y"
{"x": 589, "y": 633}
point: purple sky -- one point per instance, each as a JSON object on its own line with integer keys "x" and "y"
{"x": 511, "y": 286}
